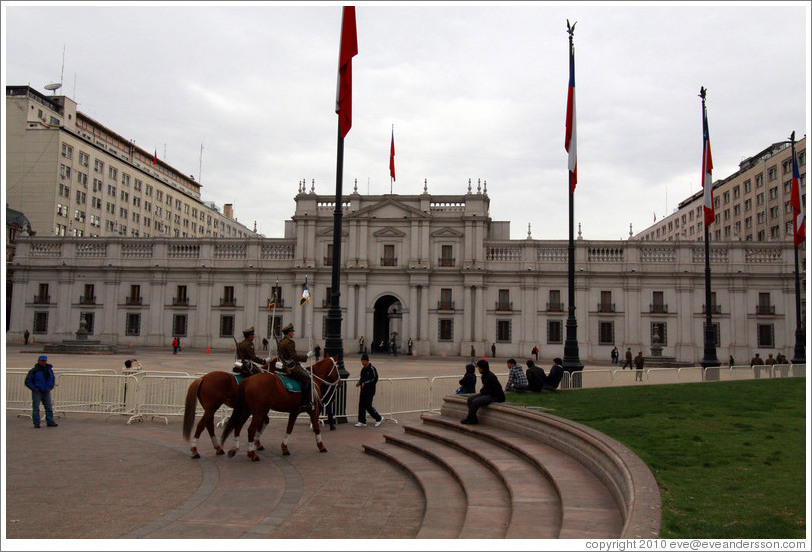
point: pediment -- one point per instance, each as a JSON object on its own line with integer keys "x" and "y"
{"x": 389, "y": 232}
{"x": 389, "y": 208}
{"x": 446, "y": 232}
{"x": 328, "y": 232}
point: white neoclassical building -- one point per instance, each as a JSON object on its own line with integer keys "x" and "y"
{"x": 433, "y": 269}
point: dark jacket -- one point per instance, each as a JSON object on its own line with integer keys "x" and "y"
{"x": 287, "y": 351}
{"x": 468, "y": 381}
{"x": 368, "y": 378}
{"x": 555, "y": 375}
{"x": 535, "y": 376}
{"x": 491, "y": 386}
{"x": 42, "y": 378}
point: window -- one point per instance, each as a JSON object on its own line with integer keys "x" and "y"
{"x": 774, "y": 211}
{"x": 133, "y": 324}
{"x": 554, "y": 303}
{"x": 179, "y": 325}
{"x": 503, "y": 303}
{"x": 84, "y": 159}
{"x": 554, "y": 333}
{"x": 64, "y": 171}
{"x": 137, "y": 185}
{"x": 727, "y": 214}
{"x": 775, "y": 232}
{"x": 328, "y": 259}
{"x": 42, "y": 296}
{"x": 761, "y": 235}
{"x": 88, "y": 318}
{"x": 181, "y": 299}
{"x": 274, "y": 326}
{"x": 445, "y": 329}
{"x": 747, "y": 186}
{"x": 98, "y": 166}
{"x": 135, "y": 295}
{"x": 764, "y": 306}
{"x": 761, "y": 217}
{"x": 446, "y": 256}
{"x": 659, "y": 334}
{"x": 606, "y": 304}
{"x": 748, "y": 222}
{"x": 389, "y": 258}
{"x": 446, "y": 301}
{"x": 113, "y": 173}
{"x": 736, "y": 192}
{"x": 657, "y": 302}
{"x": 773, "y": 192}
{"x": 89, "y": 297}
{"x": 766, "y": 336}
{"x": 503, "y": 331}
{"x": 715, "y": 326}
{"x": 81, "y": 178}
{"x": 748, "y": 204}
{"x": 726, "y": 197}
{"x": 125, "y": 179}
{"x": 606, "y": 333}
{"x": 228, "y": 297}
{"x": 737, "y": 210}
{"x": 40, "y": 322}
{"x": 67, "y": 151}
{"x": 226, "y": 325}
{"x": 772, "y": 173}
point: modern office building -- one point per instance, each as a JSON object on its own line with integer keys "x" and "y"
{"x": 436, "y": 269}
{"x": 72, "y": 176}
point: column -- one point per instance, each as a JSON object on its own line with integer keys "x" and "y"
{"x": 479, "y": 320}
{"x": 352, "y": 312}
{"x": 413, "y": 313}
{"x": 362, "y": 315}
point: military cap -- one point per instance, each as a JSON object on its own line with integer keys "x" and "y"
{"x": 288, "y": 328}
{"x": 248, "y": 331}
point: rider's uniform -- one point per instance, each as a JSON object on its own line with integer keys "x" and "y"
{"x": 291, "y": 359}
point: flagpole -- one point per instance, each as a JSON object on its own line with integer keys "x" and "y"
{"x": 709, "y": 359}
{"x": 571, "y": 360}
{"x": 799, "y": 356}
{"x": 273, "y": 316}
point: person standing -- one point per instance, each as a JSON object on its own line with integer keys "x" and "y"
{"x": 175, "y": 345}
{"x": 265, "y": 344}
{"x": 473, "y": 354}
{"x": 367, "y": 381}
{"x": 628, "y": 359}
{"x": 40, "y": 380}
{"x": 638, "y": 364}
{"x": 615, "y": 356}
{"x": 493, "y": 350}
{"x": 491, "y": 392}
{"x": 290, "y": 360}
{"x": 317, "y": 352}
{"x": 410, "y": 344}
{"x": 251, "y": 363}
{"x": 26, "y": 335}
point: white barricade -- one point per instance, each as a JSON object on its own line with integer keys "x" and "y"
{"x": 655, "y": 376}
{"x": 94, "y": 393}
{"x": 692, "y": 374}
{"x": 161, "y": 396}
{"x": 622, "y": 378}
{"x": 587, "y": 379}
{"x": 18, "y": 396}
{"x": 442, "y": 386}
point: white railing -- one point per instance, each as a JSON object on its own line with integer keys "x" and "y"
{"x": 161, "y": 394}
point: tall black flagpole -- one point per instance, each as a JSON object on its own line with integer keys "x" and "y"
{"x": 799, "y": 356}
{"x": 709, "y": 359}
{"x": 571, "y": 362}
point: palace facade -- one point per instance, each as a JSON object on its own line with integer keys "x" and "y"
{"x": 431, "y": 268}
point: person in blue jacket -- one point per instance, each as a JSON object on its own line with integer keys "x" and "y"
{"x": 491, "y": 392}
{"x": 41, "y": 380}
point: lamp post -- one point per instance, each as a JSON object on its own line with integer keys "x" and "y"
{"x": 799, "y": 356}
{"x": 709, "y": 359}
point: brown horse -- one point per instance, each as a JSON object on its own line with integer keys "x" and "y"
{"x": 259, "y": 394}
{"x": 213, "y": 390}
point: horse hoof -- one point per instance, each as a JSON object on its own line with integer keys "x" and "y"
{"x": 220, "y": 452}
{"x": 253, "y": 457}
{"x": 260, "y": 447}
{"x": 195, "y": 456}
{"x": 285, "y": 453}
{"x": 323, "y": 450}
{"x": 231, "y": 453}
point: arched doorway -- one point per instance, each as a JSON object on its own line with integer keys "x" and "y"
{"x": 387, "y": 323}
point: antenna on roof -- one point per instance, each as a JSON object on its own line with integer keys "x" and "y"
{"x": 54, "y": 86}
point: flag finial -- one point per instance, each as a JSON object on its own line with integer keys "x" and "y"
{"x": 702, "y": 92}
{"x": 571, "y": 29}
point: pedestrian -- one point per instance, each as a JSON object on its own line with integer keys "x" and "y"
{"x": 535, "y": 376}
{"x": 265, "y": 344}
{"x": 473, "y": 354}
{"x": 491, "y": 392}
{"x": 757, "y": 361}
{"x": 40, "y": 380}
{"x": 468, "y": 381}
{"x": 26, "y": 335}
{"x": 366, "y": 381}
{"x": 175, "y": 345}
{"x": 615, "y": 356}
{"x": 409, "y": 344}
{"x": 731, "y": 362}
{"x": 535, "y": 353}
{"x": 361, "y": 345}
{"x": 317, "y": 352}
{"x": 517, "y": 380}
{"x": 393, "y": 347}
{"x": 638, "y": 364}
{"x": 770, "y": 360}
{"x": 493, "y": 350}
{"x": 628, "y": 359}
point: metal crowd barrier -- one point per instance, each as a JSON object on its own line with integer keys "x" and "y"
{"x": 162, "y": 394}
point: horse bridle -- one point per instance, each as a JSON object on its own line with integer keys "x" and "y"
{"x": 330, "y": 385}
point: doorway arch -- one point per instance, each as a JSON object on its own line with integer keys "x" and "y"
{"x": 387, "y": 323}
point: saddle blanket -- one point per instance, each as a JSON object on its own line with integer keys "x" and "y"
{"x": 290, "y": 384}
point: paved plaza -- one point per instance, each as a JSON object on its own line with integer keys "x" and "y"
{"x": 97, "y": 477}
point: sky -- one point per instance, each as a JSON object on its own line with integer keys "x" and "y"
{"x": 470, "y": 91}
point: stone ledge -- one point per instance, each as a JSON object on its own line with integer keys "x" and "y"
{"x": 627, "y": 477}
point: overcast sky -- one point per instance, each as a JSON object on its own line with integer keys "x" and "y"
{"x": 473, "y": 91}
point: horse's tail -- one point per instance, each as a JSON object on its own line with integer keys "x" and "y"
{"x": 236, "y": 413}
{"x": 190, "y": 408}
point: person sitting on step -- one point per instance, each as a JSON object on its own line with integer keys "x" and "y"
{"x": 491, "y": 392}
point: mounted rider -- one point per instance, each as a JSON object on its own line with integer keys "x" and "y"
{"x": 250, "y": 363}
{"x": 290, "y": 360}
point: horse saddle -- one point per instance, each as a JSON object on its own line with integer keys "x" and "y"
{"x": 290, "y": 384}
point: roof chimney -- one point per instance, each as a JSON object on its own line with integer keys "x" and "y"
{"x": 228, "y": 210}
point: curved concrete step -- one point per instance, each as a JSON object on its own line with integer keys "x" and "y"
{"x": 446, "y": 505}
{"x": 488, "y": 502}
{"x": 535, "y": 504}
{"x": 588, "y": 508}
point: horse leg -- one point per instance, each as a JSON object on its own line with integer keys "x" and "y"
{"x": 291, "y": 421}
{"x": 314, "y": 420}
{"x": 256, "y": 422}
{"x": 201, "y": 425}
{"x": 262, "y": 427}
{"x": 238, "y": 423}
{"x": 210, "y": 427}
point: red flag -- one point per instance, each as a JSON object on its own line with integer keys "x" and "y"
{"x": 155, "y": 158}
{"x": 348, "y": 49}
{"x": 392, "y": 157}
{"x": 707, "y": 168}
{"x": 570, "y": 142}
{"x": 798, "y": 213}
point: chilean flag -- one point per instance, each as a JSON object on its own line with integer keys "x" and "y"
{"x": 570, "y": 138}
{"x": 798, "y": 214}
{"x": 707, "y": 167}
{"x": 392, "y": 157}
{"x": 348, "y": 49}
{"x": 155, "y": 158}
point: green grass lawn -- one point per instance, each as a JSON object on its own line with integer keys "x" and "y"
{"x": 729, "y": 457}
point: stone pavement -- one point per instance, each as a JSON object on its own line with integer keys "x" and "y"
{"x": 97, "y": 477}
